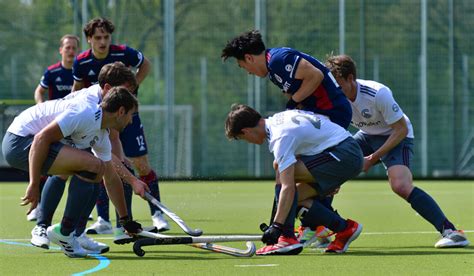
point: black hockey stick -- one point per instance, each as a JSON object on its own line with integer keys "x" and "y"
{"x": 171, "y": 240}
{"x": 173, "y": 216}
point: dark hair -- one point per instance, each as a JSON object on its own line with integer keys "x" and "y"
{"x": 99, "y": 22}
{"x": 69, "y": 36}
{"x": 241, "y": 116}
{"x": 246, "y": 43}
{"x": 117, "y": 97}
{"x": 116, "y": 74}
{"x": 341, "y": 66}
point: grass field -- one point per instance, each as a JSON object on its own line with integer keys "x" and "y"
{"x": 395, "y": 240}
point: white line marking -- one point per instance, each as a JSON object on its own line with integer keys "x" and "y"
{"x": 367, "y": 233}
{"x": 263, "y": 265}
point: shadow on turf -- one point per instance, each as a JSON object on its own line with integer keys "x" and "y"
{"x": 402, "y": 251}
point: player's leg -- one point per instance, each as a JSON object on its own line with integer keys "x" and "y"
{"x": 136, "y": 150}
{"x": 51, "y": 196}
{"x": 401, "y": 181}
{"x": 331, "y": 169}
{"x": 103, "y": 224}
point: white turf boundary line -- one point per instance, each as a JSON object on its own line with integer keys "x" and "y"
{"x": 363, "y": 233}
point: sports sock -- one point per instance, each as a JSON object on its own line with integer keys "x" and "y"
{"x": 319, "y": 214}
{"x": 425, "y": 205}
{"x": 289, "y": 225}
{"x": 79, "y": 192}
{"x": 102, "y": 203}
{"x": 52, "y": 192}
{"x": 89, "y": 206}
{"x": 151, "y": 179}
{"x": 327, "y": 202}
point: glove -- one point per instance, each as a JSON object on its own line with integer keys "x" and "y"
{"x": 291, "y": 104}
{"x": 271, "y": 235}
{"x": 131, "y": 226}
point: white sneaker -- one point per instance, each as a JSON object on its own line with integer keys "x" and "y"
{"x": 69, "y": 244}
{"x": 39, "y": 237}
{"x": 452, "y": 238}
{"x": 101, "y": 226}
{"x": 33, "y": 215}
{"x": 160, "y": 222}
{"x": 92, "y": 245}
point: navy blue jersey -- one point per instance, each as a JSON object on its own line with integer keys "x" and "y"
{"x": 86, "y": 67}
{"x": 328, "y": 98}
{"x": 58, "y": 80}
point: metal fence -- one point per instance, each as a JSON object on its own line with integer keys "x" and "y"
{"x": 423, "y": 50}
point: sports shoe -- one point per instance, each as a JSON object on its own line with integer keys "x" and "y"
{"x": 452, "y": 238}
{"x": 316, "y": 239}
{"x": 284, "y": 246}
{"x": 90, "y": 217}
{"x": 69, "y": 244}
{"x": 39, "y": 237}
{"x": 92, "y": 245}
{"x": 160, "y": 222}
{"x": 345, "y": 237}
{"x": 101, "y": 226}
{"x": 33, "y": 215}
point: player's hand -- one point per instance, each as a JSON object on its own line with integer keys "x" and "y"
{"x": 140, "y": 187}
{"x": 271, "y": 235}
{"x": 291, "y": 104}
{"x": 131, "y": 227}
{"x": 31, "y": 196}
{"x": 369, "y": 161}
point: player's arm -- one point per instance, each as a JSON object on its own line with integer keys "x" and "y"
{"x": 139, "y": 187}
{"x": 114, "y": 188}
{"x": 77, "y": 85}
{"x": 37, "y": 156}
{"x": 400, "y": 131}
{"x": 39, "y": 94}
{"x": 311, "y": 78}
{"x": 287, "y": 193}
{"x": 143, "y": 70}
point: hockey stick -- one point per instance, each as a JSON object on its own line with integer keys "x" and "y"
{"x": 158, "y": 239}
{"x": 236, "y": 252}
{"x": 173, "y": 216}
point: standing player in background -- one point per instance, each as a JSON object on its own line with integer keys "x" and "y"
{"x": 386, "y": 134}
{"x": 306, "y": 82}
{"x": 56, "y": 82}
{"x": 86, "y": 68}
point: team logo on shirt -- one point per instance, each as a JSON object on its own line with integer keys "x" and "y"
{"x": 278, "y": 78}
{"x": 91, "y": 73}
{"x": 366, "y": 113}
{"x": 395, "y": 107}
{"x": 58, "y": 79}
{"x": 93, "y": 141}
{"x": 288, "y": 67}
{"x": 286, "y": 86}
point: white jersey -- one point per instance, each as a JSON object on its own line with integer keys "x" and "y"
{"x": 295, "y": 132}
{"x": 92, "y": 93}
{"x": 79, "y": 120}
{"x": 374, "y": 109}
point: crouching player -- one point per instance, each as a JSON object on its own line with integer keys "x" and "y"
{"x": 308, "y": 149}
{"x": 51, "y": 138}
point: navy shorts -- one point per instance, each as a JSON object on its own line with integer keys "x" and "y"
{"x": 16, "y": 151}
{"x": 334, "y": 166}
{"x": 133, "y": 138}
{"x": 402, "y": 154}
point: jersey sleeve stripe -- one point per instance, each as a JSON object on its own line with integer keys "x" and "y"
{"x": 294, "y": 65}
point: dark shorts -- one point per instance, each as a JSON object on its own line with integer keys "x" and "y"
{"x": 133, "y": 138}
{"x": 334, "y": 166}
{"x": 402, "y": 154}
{"x": 16, "y": 151}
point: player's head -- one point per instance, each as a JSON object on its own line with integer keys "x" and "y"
{"x": 98, "y": 32}
{"x": 115, "y": 74}
{"x": 243, "y": 122}
{"x": 344, "y": 70}
{"x": 122, "y": 103}
{"x": 68, "y": 47}
{"x": 248, "y": 49}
